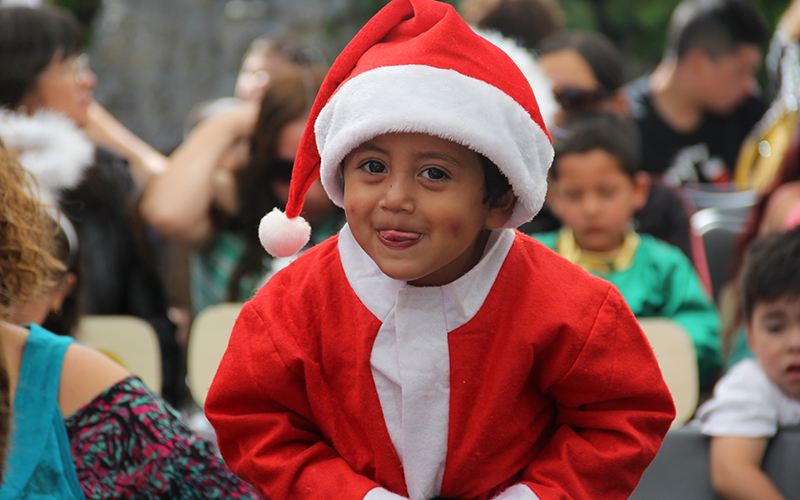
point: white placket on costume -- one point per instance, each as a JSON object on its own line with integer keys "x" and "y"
{"x": 410, "y": 358}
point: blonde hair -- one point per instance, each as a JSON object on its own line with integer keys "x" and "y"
{"x": 27, "y": 265}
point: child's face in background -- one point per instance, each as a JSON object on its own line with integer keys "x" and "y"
{"x": 415, "y": 205}
{"x": 596, "y": 198}
{"x": 774, "y": 336}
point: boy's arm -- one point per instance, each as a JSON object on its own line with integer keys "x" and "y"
{"x": 736, "y": 469}
{"x": 613, "y": 412}
{"x": 259, "y": 407}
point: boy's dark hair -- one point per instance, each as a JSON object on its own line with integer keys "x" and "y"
{"x": 771, "y": 270}
{"x": 599, "y": 52}
{"x": 615, "y": 134}
{"x": 30, "y": 38}
{"x": 495, "y": 183}
{"x": 717, "y": 27}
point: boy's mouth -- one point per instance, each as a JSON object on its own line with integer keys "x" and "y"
{"x": 398, "y": 239}
{"x": 793, "y": 371}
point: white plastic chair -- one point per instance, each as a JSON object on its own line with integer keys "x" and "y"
{"x": 677, "y": 359}
{"x": 130, "y": 341}
{"x": 208, "y": 340}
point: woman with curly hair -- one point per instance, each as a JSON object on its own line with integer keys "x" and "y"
{"x": 83, "y": 427}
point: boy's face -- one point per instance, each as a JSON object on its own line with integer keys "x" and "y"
{"x": 774, "y": 337}
{"x": 596, "y": 198}
{"x": 726, "y": 81}
{"x": 414, "y": 203}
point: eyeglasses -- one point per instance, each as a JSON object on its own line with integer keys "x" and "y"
{"x": 575, "y": 100}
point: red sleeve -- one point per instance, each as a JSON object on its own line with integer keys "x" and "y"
{"x": 260, "y": 410}
{"x": 613, "y": 412}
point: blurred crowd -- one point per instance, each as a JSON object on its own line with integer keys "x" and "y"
{"x": 129, "y": 230}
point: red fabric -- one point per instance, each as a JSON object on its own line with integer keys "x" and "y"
{"x": 424, "y": 32}
{"x": 552, "y": 384}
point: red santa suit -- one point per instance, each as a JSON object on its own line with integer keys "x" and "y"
{"x": 526, "y": 378}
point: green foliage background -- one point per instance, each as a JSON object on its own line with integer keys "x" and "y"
{"x": 637, "y": 26}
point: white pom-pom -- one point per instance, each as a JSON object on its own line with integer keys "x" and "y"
{"x": 282, "y": 236}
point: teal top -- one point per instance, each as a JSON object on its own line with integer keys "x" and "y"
{"x": 212, "y": 268}
{"x": 40, "y": 464}
{"x": 662, "y": 282}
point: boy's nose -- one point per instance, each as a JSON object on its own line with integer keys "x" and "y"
{"x": 397, "y": 197}
{"x": 590, "y": 204}
{"x": 793, "y": 340}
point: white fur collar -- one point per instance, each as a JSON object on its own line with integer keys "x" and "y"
{"x": 50, "y": 147}
{"x": 529, "y": 65}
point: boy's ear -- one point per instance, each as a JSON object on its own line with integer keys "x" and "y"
{"x": 750, "y": 340}
{"x": 642, "y": 189}
{"x": 500, "y": 211}
{"x": 553, "y": 198}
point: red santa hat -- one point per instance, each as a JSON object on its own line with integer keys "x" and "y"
{"x": 417, "y": 67}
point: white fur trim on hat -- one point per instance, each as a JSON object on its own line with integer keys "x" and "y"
{"x": 49, "y": 146}
{"x": 281, "y": 236}
{"x": 456, "y": 107}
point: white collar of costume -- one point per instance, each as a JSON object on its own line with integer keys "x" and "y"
{"x": 410, "y": 358}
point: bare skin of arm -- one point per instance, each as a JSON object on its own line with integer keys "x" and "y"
{"x": 736, "y": 472}
{"x": 178, "y": 202}
{"x": 106, "y": 131}
{"x": 84, "y": 375}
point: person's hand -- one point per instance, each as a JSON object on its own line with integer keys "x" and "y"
{"x": 236, "y": 122}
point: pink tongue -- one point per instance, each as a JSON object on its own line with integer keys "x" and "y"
{"x": 393, "y": 235}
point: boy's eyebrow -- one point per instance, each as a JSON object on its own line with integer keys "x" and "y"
{"x": 368, "y": 147}
{"x": 438, "y": 155}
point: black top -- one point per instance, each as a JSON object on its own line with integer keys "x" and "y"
{"x": 706, "y": 154}
{"x": 117, "y": 273}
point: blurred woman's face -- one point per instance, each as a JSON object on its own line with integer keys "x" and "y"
{"x": 257, "y": 69}
{"x": 65, "y": 86}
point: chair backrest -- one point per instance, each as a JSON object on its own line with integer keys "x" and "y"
{"x": 681, "y": 469}
{"x": 720, "y": 196}
{"x": 677, "y": 359}
{"x": 130, "y": 341}
{"x": 208, "y": 340}
{"x": 719, "y": 229}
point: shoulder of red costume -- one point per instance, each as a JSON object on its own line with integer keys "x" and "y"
{"x": 319, "y": 267}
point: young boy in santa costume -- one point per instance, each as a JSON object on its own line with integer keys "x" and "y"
{"x": 430, "y": 350}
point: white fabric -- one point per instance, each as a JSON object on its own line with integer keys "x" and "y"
{"x": 747, "y": 404}
{"x": 541, "y": 84}
{"x": 410, "y": 357}
{"x": 458, "y": 108}
{"x": 382, "y": 494}
{"x": 517, "y": 492}
{"x": 49, "y": 146}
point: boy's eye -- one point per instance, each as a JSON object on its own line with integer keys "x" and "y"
{"x": 434, "y": 174}
{"x": 608, "y": 192}
{"x": 373, "y": 167}
{"x": 774, "y": 326}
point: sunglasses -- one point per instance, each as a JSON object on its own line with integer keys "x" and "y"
{"x": 575, "y": 100}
